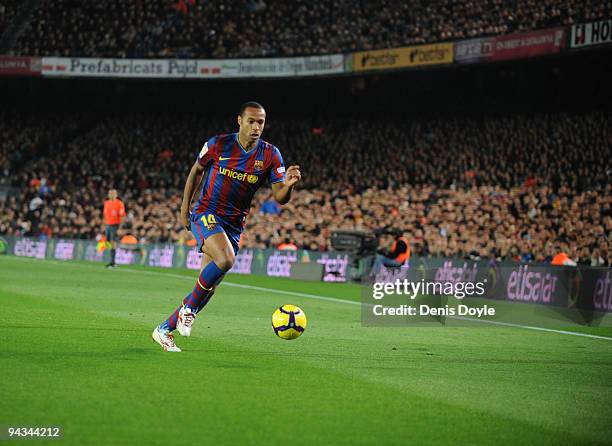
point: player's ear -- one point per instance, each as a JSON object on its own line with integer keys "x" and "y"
{"x": 239, "y": 120}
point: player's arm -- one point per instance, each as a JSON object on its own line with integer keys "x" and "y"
{"x": 282, "y": 190}
{"x": 104, "y": 214}
{"x": 121, "y": 213}
{"x": 193, "y": 180}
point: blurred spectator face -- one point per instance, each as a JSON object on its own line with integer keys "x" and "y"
{"x": 251, "y": 124}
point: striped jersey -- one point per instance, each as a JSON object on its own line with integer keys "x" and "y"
{"x": 232, "y": 176}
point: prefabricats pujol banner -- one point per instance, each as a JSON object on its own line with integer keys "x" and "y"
{"x": 193, "y": 68}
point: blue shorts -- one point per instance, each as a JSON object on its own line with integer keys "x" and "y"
{"x": 111, "y": 233}
{"x": 207, "y": 223}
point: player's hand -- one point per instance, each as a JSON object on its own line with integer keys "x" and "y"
{"x": 292, "y": 176}
{"x": 185, "y": 219}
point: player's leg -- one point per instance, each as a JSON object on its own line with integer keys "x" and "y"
{"x": 206, "y": 259}
{"x": 188, "y": 311}
{"x": 111, "y": 236}
{"x": 220, "y": 251}
{"x": 382, "y": 261}
{"x": 185, "y": 314}
{"x": 113, "y": 252}
{"x": 233, "y": 236}
{"x": 212, "y": 239}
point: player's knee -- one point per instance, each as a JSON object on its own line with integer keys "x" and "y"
{"x": 226, "y": 262}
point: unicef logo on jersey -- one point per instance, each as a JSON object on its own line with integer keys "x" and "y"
{"x": 240, "y": 176}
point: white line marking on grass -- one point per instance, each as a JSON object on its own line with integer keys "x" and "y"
{"x": 342, "y": 301}
{"x": 531, "y": 327}
{"x": 252, "y": 287}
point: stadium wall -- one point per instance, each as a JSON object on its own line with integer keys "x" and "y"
{"x": 581, "y": 288}
{"x": 300, "y": 264}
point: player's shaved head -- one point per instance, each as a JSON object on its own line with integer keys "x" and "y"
{"x": 250, "y": 104}
{"x": 112, "y": 194}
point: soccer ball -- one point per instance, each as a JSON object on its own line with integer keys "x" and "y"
{"x": 289, "y": 322}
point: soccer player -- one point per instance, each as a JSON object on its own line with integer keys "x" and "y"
{"x": 232, "y": 167}
{"x": 114, "y": 211}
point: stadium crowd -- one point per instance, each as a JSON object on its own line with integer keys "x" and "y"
{"x": 252, "y": 28}
{"x": 515, "y": 187}
{"x": 8, "y": 11}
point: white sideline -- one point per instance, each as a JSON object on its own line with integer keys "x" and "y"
{"x": 331, "y": 299}
{"x": 531, "y": 327}
{"x": 251, "y": 287}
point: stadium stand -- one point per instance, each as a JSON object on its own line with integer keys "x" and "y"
{"x": 251, "y": 28}
{"x": 8, "y": 9}
{"x": 462, "y": 187}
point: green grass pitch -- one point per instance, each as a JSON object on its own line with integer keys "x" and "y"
{"x": 76, "y": 352}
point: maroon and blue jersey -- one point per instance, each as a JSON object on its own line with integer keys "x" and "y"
{"x": 232, "y": 176}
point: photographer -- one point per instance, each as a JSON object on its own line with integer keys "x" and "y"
{"x": 397, "y": 254}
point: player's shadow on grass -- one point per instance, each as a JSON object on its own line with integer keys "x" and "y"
{"x": 389, "y": 356}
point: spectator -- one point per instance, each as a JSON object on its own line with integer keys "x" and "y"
{"x": 248, "y": 28}
{"x": 461, "y": 191}
{"x": 270, "y": 206}
{"x": 287, "y": 245}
